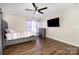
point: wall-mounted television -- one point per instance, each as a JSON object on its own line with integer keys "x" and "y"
{"x": 53, "y": 22}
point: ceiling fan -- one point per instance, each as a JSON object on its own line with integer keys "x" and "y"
{"x": 36, "y": 10}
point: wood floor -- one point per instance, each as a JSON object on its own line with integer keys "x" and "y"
{"x": 41, "y": 46}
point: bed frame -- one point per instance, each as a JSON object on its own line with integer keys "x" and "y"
{"x": 15, "y": 41}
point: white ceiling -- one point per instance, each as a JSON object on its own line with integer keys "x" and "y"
{"x": 19, "y": 8}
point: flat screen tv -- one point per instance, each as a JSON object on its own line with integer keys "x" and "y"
{"x": 53, "y": 22}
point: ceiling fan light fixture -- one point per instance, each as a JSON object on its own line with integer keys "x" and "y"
{"x": 36, "y": 12}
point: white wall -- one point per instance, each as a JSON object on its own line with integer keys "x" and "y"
{"x": 15, "y": 22}
{"x": 69, "y": 25}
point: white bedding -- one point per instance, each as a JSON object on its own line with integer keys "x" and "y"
{"x": 18, "y": 35}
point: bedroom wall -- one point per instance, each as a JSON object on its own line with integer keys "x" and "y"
{"x": 15, "y": 22}
{"x": 68, "y": 31}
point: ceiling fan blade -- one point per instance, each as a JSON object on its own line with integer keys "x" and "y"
{"x": 42, "y": 8}
{"x": 34, "y": 6}
{"x": 40, "y": 12}
{"x": 29, "y": 9}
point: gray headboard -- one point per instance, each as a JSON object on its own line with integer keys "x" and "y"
{"x": 4, "y": 26}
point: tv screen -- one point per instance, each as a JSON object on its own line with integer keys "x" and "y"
{"x": 53, "y": 22}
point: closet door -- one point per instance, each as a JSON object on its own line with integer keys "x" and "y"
{"x": 0, "y": 33}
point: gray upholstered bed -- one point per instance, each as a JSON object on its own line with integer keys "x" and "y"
{"x": 7, "y": 42}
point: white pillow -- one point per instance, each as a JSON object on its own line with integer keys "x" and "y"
{"x": 9, "y": 31}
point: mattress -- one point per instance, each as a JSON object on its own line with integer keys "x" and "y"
{"x": 18, "y": 35}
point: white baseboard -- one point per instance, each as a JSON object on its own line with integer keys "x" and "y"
{"x": 66, "y": 42}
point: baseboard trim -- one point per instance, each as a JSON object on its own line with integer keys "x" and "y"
{"x": 65, "y": 42}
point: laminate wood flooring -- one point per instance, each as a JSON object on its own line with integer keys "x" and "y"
{"x": 41, "y": 46}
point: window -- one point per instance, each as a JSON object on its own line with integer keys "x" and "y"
{"x": 33, "y": 26}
